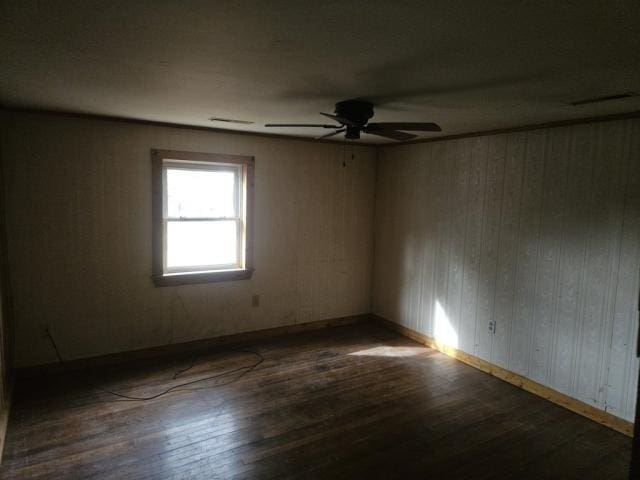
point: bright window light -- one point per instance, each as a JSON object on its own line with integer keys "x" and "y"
{"x": 196, "y": 244}
{"x": 203, "y": 221}
{"x": 201, "y": 193}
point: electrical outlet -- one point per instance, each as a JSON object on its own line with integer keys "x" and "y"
{"x": 255, "y": 301}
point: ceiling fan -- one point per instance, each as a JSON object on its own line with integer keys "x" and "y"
{"x": 353, "y": 117}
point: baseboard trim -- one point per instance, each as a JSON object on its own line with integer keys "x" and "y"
{"x": 185, "y": 348}
{"x": 618, "y": 424}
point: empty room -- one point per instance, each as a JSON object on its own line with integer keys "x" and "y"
{"x": 319, "y": 240}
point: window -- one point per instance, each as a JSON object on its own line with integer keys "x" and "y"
{"x": 202, "y": 211}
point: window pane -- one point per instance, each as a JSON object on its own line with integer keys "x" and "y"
{"x": 200, "y": 193}
{"x": 192, "y": 244}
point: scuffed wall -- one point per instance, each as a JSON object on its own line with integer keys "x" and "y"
{"x": 537, "y": 233}
{"x": 79, "y": 235}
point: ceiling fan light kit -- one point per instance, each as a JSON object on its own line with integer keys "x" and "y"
{"x": 353, "y": 116}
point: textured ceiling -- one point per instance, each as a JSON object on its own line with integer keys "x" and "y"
{"x": 467, "y": 65}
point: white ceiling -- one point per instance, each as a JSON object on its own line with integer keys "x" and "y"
{"x": 467, "y": 65}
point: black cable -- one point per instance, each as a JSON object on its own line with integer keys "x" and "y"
{"x": 246, "y": 368}
{"x": 180, "y": 372}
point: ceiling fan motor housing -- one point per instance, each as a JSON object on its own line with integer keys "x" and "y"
{"x": 358, "y": 111}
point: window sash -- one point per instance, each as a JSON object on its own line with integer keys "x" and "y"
{"x": 170, "y": 164}
{"x": 237, "y": 170}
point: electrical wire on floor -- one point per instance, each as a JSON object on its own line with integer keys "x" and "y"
{"x": 245, "y": 370}
{"x": 185, "y": 370}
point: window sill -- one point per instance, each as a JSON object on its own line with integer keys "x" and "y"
{"x": 201, "y": 277}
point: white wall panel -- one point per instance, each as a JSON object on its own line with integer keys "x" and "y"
{"x": 549, "y": 253}
{"x": 491, "y": 217}
{"x": 573, "y": 257}
{"x": 621, "y": 381}
{"x": 458, "y": 212}
{"x": 537, "y": 231}
{"x": 473, "y": 244}
{"x": 507, "y": 249}
{"x": 79, "y": 233}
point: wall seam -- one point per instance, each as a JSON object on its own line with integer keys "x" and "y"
{"x": 604, "y": 382}
{"x": 374, "y": 246}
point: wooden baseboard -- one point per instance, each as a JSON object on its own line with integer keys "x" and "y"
{"x": 581, "y": 408}
{"x": 576, "y": 406}
{"x": 177, "y": 349}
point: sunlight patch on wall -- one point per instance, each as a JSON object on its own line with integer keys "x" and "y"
{"x": 444, "y": 332}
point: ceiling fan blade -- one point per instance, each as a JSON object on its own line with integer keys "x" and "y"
{"x": 331, "y": 134}
{"x": 409, "y": 126}
{"x": 342, "y": 120}
{"x": 392, "y": 134}
{"x": 313, "y": 125}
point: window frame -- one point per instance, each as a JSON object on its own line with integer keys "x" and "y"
{"x": 238, "y": 218}
{"x": 244, "y": 165}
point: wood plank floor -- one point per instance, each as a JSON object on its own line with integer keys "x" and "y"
{"x": 349, "y": 402}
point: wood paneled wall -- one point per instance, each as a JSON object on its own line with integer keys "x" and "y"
{"x": 522, "y": 249}
{"x": 79, "y": 235}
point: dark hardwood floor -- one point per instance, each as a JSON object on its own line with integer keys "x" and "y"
{"x": 350, "y": 402}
